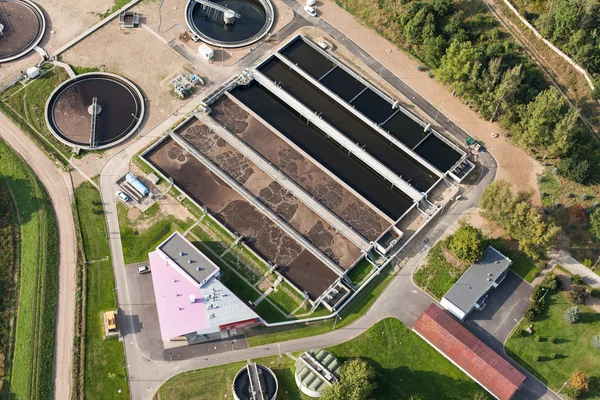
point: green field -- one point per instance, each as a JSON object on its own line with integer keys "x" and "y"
{"x": 26, "y": 108}
{"x": 572, "y": 347}
{"x": 92, "y": 222}
{"x": 104, "y": 373}
{"x": 9, "y": 267}
{"x": 360, "y": 271}
{"x": 407, "y": 368}
{"x": 31, "y": 375}
{"x": 138, "y": 243}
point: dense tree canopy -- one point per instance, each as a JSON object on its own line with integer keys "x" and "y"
{"x": 466, "y": 244}
{"x": 519, "y": 219}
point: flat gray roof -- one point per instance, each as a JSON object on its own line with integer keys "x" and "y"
{"x": 474, "y": 283}
{"x": 188, "y": 258}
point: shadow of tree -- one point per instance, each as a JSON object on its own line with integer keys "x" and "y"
{"x": 26, "y": 209}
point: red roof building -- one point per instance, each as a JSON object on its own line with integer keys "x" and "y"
{"x": 467, "y": 352}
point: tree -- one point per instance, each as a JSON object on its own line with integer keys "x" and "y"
{"x": 508, "y": 87}
{"x": 539, "y": 119}
{"x": 564, "y": 132}
{"x": 466, "y": 244}
{"x": 574, "y": 169}
{"x": 596, "y": 341}
{"x": 595, "y": 223}
{"x": 357, "y": 382}
{"x": 571, "y": 315}
{"x": 517, "y": 216}
{"x": 457, "y": 63}
{"x": 577, "y": 294}
{"x": 580, "y": 381}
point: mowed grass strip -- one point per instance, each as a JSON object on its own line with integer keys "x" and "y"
{"x": 104, "y": 365}
{"x": 9, "y": 267}
{"x": 572, "y": 348}
{"x": 35, "y": 332}
{"x": 204, "y": 384}
{"x": 92, "y": 221}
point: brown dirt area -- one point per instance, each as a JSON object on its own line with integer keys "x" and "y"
{"x": 172, "y": 13}
{"x": 322, "y": 235}
{"x": 514, "y": 165}
{"x": 67, "y": 18}
{"x": 303, "y": 171}
{"x": 140, "y": 57}
{"x": 263, "y": 236}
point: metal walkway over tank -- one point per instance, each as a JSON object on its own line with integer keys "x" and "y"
{"x": 217, "y": 7}
{"x": 258, "y": 205}
{"x": 339, "y": 137}
{"x": 286, "y": 183}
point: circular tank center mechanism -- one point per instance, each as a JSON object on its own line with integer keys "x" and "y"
{"x": 95, "y": 110}
{"x": 229, "y": 23}
{"x": 22, "y": 27}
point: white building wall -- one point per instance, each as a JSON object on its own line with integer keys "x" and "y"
{"x": 453, "y": 309}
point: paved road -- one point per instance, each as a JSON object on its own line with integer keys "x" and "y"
{"x": 59, "y": 190}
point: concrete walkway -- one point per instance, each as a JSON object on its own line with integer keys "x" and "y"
{"x": 564, "y": 259}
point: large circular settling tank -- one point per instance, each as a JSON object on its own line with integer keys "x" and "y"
{"x": 22, "y": 26}
{"x": 94, "y": 110}
{"x": 229, "y": 23}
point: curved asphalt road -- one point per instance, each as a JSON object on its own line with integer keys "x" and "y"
{"x": 60, "y": 191}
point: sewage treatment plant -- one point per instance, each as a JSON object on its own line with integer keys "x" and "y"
{"x": 313, "y": 167}
{"x": 22, "y": 26}
{"x": 94, "y": 110}
{"x": 229, "y": 23}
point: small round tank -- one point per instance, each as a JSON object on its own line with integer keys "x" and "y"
{"x": 229, "y": 17}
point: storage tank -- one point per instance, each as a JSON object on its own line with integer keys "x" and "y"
{"x": 135, "y": 182}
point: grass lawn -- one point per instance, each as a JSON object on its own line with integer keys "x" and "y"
{"x": 28, "y": 105}
{"x": 104, "y": 359}
{"x": 9, "y": 267}
{"x": 407, "y": 367}
{"x": 438, "y": 275}
{"x": 283, "y": 297}
{"x": 360, "y": 271}
{"x": 138, "y": 243}
{"x": 203, "y": 384}
{"x": 573, "y": 348}
{"x": 92, "y": 222}
{"x": 31, "y": 375}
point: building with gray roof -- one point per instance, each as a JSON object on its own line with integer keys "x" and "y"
{"x": 471, "y": 290}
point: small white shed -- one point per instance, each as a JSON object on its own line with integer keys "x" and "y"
{"x": 206, "y": 52}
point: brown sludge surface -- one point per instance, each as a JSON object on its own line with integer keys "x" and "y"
{"x": 270, "y": 193}
{"x": 301, "y": 170}
{"x": 223, "y": 202}
{"x": 21, "y": 27}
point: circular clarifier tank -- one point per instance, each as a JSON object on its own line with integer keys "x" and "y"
{"x": 259, "y": 375}
{"x": 22, "y": 26}
{"x": 229, "y": 23}
{"x": 94, "y": 110}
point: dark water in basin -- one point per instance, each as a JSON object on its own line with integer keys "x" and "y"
{"x": 350, "y": 125}
{"x": 252, "y": 20}
{"x": 120, "y": 110}
{"x": 437, "y": 153}
{"x": 361, "y": 178}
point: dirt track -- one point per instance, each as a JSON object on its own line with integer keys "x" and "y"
{"x": 57, "y": 185}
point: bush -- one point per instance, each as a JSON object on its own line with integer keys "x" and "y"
{"x": 529, "y": 314}
{"x": 552, "y": 340}
{"x": 574, "y": 169}
{"x": 551, "y": 281}
{"x": 580, "y": 381}
{"x": 577, "y": 279}
{"x": 596, "y": 341}
{"x": 577, "y": 294}
{"x": 538, "y": 358}
{"x": 553, "y": 356}
{"x": 571, "y": 316}
{"x": 588, "y": 263}
{"x": 538, "y": 339}
{"x": 595, "y": 293}
{"x": 466, "y": 243}
{"x": 572, "y": 392}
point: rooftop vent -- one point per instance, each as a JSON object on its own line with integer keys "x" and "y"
{"x": 198, "y": 269}
{"x": 192, "y": 298}
{"x": 189, "y": 261}
{"x": 181, "y": 253}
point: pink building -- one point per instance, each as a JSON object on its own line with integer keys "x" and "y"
{"x": 190, "y": 299}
